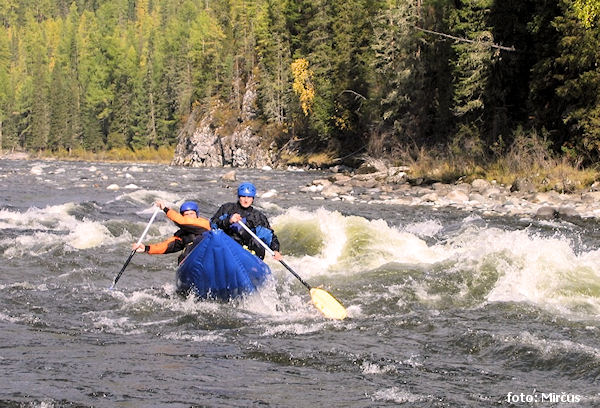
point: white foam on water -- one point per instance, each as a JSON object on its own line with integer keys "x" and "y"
{"x": 147, "y": 198}
{"x": 267, "y": 205}
{"x": 52, "y": 225}
{"x": 26, "y": 286}
{"x": 424, "y": 229}
{"x": 295, "y": 328}
{"x": 331, "y": 232}
{"x": 543, "y": 271}
{"x": 372, "y": 368}
{"x": 354, "y": 311}
{"x": 552, "y": 348}
{"x": 267, "y": 302}
{"x": 265, "y": 305}
{"x": 399, "y": 396}
{"x": 106, "y": 322}
{"x": 198, "y": 338}
{"x": 392, "y": 245}
{"x": 281, "y": 301}
{"x": 88, "y": 234}
{"x": 279, "y": 314}
{"x": 143, "y": 299}
{"x": 8, "y": 318}
{"x": 540, "y": 270}
{"x": 352, "y": 244}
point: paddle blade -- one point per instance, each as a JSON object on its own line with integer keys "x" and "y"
{"x": 327, "y": 304}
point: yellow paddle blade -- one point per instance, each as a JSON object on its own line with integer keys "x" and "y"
{"x": 327, "y": 304}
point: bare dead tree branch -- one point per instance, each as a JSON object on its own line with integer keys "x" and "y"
{"x": 489, "y": 44}
{"x": 357, "y": 97}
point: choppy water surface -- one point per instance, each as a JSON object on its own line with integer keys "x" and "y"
{"x": 446, "y": 308}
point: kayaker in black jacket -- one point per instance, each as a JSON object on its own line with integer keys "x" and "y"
{"x": 228, "y": 215}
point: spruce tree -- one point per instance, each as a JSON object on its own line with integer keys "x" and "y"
{"x": 5, "y": 89}
{"x": 274, "y": 61}
{"x": 59, "y": 120}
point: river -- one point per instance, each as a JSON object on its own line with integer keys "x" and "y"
{"x": 446, "y": 308}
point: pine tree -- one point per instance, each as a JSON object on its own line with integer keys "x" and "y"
{"x": 177, "y": 77}
{"x": 123, "y": 121}
{"x": 545, "y": 108}
{"x": 506, "y": 98}
{"x": 69, "y": 58}
{"x": 59, "y": 102}
{"x": 5, "y": 90}
{"x": 35, "y": 135}
{"x": 274, "y": 62}
{"x": 318, "y": 51}
{"x": 400, "y": 72}
{"x": 352, "y": 26}
{"x": 94, "y": 76}
{"x": 204, "y": 44}
{"x": 242, "y": 14}
{"x": 578, "y": 92}
{"x": 471, "y": 68}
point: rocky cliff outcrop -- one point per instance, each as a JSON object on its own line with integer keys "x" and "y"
{"x": 204, "y": 143}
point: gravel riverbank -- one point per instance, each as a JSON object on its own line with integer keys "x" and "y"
{"x": 393, "y": 187}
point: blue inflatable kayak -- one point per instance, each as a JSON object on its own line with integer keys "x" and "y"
{"x": 219, "y": 268}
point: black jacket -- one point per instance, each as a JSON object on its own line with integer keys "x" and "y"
{"x": 254, "y": 219}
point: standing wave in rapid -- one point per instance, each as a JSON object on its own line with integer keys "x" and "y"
{"x": 477, "y": 265}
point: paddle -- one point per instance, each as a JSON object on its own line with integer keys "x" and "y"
{"x": 134, "y": 251}
{"x": 323, "y": 300}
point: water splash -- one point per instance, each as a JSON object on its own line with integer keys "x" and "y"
{"x": 478, "y": 265}
{"x": 38, "y": 231}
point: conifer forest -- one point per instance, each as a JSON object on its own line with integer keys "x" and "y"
{"x": 329, "y": 75}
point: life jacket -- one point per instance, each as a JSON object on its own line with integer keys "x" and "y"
{"x": 254, "y": 219}
{"x": 183, "y": 239}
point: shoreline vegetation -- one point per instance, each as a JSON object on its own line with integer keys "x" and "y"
{"x": 161, "y": 155}
{"x": 528, "y": 165}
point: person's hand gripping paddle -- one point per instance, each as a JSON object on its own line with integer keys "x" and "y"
{"x": 134, "y": 251}
{"x": 323, "y": 300}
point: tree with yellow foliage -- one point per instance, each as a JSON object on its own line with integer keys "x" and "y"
{"x": 587, "y": 11}
{"x": 303, "y": 85}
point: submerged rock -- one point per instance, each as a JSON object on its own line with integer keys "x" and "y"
{"x": 229, "y": 176}
{"x": 546, "y": 213}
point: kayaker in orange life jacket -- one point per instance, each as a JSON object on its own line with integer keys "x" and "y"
{"x": 190, "y": 226}
{"x": 228, "y": 215}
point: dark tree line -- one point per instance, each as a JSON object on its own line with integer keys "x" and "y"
{"x": 338, "y": 75}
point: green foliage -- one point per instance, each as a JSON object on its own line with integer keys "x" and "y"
{"x": 399, "y": 68}
{"x": 391, "y": 75}
{"x": 472, "y": 62}
{"x": 568, "y": 84}
{"x": 59, "y": 118}
{"x": 5, "y": 90}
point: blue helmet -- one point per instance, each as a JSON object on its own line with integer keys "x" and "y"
{"x": 188, "y": 205}
{"x": 246, "y": 190}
